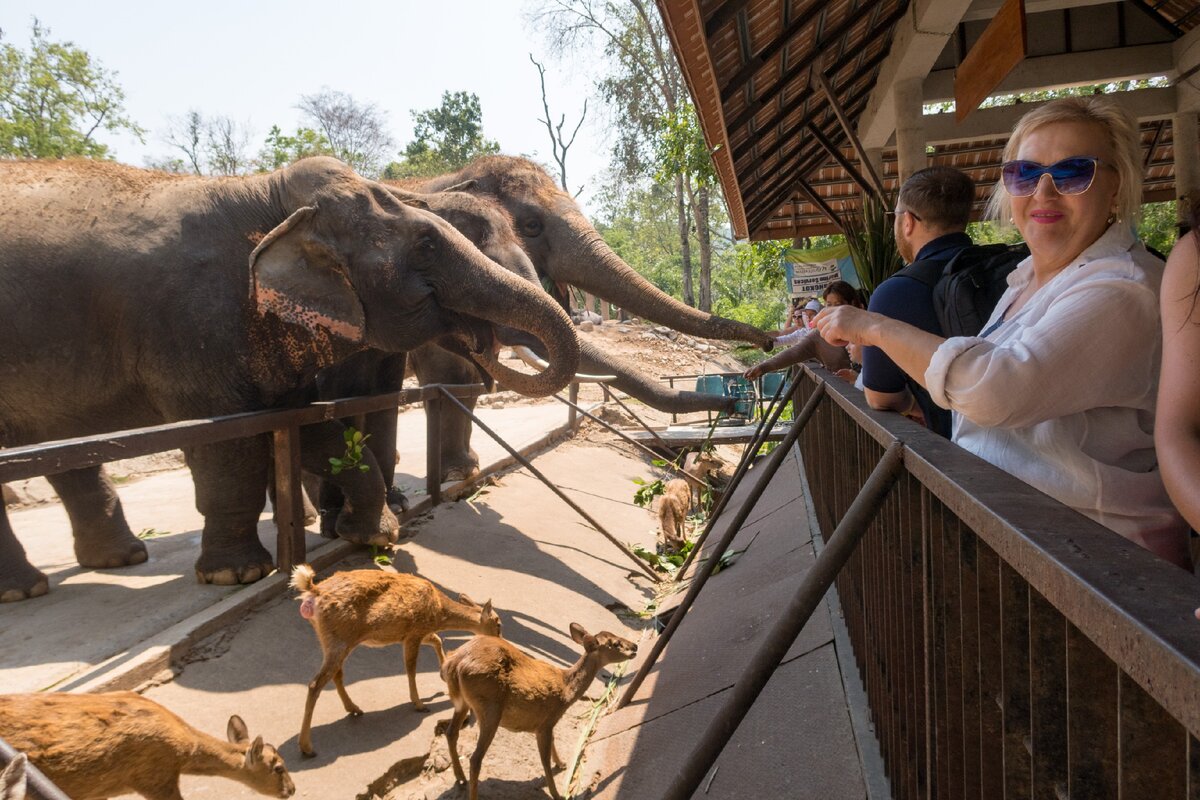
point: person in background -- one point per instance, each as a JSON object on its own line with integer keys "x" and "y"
{"x": 1177, "y": 429}
{"x": 1034, "y": 394}
{"x": 932, "y": 211}
{"x": 809, "y": 344}
{"x": 795, "y": 319}
{"x": 807, "y": 314}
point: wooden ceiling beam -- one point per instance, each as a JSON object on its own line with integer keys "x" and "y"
{"x": 836, "y": 104}
{"x": 866, "y": 67}
{"x": 725, "y": 12}
{"x": 821, "y": 204}
{"x": 795, "y": 70}
{"x": 756, "y": 62}
{"x": 835, "y": 153}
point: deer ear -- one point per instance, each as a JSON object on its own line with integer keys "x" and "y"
{"x": 465, "y": 186}
{"x": 299, "y": 278}
{"x": 236, "y": 730}
{"x": 466, "y": 601}
{"x": 254, "y": 753}
{"x": 487, "y": 610}
{"x": 12, "y": 780}
{"x": 578, "y": 634}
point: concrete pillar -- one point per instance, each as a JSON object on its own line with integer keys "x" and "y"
{"x": 1185, "y": 134}
{"x": 875, "y": 158}
{"x": 910, "y": 127}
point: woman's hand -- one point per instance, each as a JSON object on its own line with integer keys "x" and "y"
{"x": 843, "y": 325}
{"x": 754, "y": 372}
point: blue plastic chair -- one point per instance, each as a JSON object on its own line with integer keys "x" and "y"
{"x": 770, "y": 385}
{"x": 742, "y": 391}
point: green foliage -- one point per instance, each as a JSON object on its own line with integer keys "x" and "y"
{"x": 151, "y": 533}
{"x": 382, "y": 556}
{"x": 989, "y": 232}
{"x": 647, "y": 491}
{"x": 279, "y": 150}
{"x": 352, "y": 458}
{"x": 872, "y": 244}
{"x": 680, "y": 148}
{"x": 1159, "y": 226}
{"x": 53, "y": 99}
{"x": 447, "y": 138}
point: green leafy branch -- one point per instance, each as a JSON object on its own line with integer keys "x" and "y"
{"x": 352, "y": 458}
{"x": 647, "y": 491}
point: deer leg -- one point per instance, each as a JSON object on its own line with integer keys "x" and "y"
{"x": 351, "y": 709}
{"x": 412, "y": 648}
{"x": 452, "y": 730}
{"x": 331, "y": 666}
{"x": 545, "y": 742}
{"x": 435, "y": 641}
{"x": 489, "y": 721}
{"x": 169, "y": 790}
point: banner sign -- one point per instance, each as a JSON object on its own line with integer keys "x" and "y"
{"x": 810, "y": 271}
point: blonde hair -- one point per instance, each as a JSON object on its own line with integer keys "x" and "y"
{"x": 1124, "y": 137}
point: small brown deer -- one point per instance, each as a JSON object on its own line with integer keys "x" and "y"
{"x": 102, "y": 745}
{"x": 377, "y": 608}
{"x": 12, "y": 780}
{"x": 505, "y": 687}
{"x": 673, "y": 510}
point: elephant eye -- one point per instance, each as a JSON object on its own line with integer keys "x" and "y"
{"x": 531, "y": 227}
{"x": 426, "y": 245}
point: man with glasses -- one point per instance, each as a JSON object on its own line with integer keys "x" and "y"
{"x": 930, "y": 222}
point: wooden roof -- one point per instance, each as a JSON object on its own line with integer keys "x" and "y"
{"x": 755, "y": 69}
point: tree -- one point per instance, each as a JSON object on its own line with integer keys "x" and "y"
{"x": 356, "y": 132}
{"x": 281, "y": 149}
{"x": 558, "y": 143}
{"x": 447, "y": 138}
{"x": 55, "y": 98}
{"x": 213, "y": 146}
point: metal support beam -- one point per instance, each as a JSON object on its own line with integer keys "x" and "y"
{"x": 37, "y": 784}
{"x": 641, "y": 422}
{"x": 703, "y": 574}
{"x": 433, "y": 448}
{"x": 524, "y": 462}
{"x": 577, "y": 409}
{"x": 791, "y": 621}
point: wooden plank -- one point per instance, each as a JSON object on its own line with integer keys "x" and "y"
{"x": 289, "y": 500}
{"x": 1014, "y": 645}
{"x": 1048, "y": 697}
{"x": 1003, "y": 45}
{"x": 1152, "y": 747}
{"x": 991, "y": 709}
{"x": 1091, "y": 719}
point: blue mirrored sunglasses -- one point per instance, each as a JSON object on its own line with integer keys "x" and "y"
{"x": 1070, "y": 176}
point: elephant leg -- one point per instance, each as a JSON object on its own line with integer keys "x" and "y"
{"x": 459, "y": 461}
{"x": 102, "y": 536}
{"x": 19, "y": 580}
{"x": 231, "y": 486}
{"x": 365, "y": 517}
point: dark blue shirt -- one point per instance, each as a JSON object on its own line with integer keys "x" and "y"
{"x": 909, "y": 300}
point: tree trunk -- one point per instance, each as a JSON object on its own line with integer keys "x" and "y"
{"x": 685, "y": 242}
{"x": 702, "y": 234}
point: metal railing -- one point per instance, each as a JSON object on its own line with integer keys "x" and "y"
{"x": 1009, "y": 647}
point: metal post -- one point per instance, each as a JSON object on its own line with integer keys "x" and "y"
{"x": 433, "y": 448}
{"x": 765, "y": 426}
{"x": 791, "y": 621}
{"x": 289, "y": 500}
{"x": 702, "y": 575}
{"x": 37, "y": 784}
{"x": 618, "y": 432}
{"x": 524, "y": 462}
{"x": 645, "y": 427}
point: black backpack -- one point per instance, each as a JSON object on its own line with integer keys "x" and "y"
{"x": 967, "y": 287}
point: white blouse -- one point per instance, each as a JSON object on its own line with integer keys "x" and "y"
{"x": 1062, "y": 394}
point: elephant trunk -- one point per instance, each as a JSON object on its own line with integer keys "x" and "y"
{"x": 493, "y": 294}
{"x": 638, "y": 384}
{"x": 602, "y": 272}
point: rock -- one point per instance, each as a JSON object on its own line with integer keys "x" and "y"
{"x": 586, "y": 326}
{"x": 498, "y": 405}
{"x": 703, "y": 348}
{"x": 622, "y": 329}
{"x": 662, "y": 330}
{"x": 440, "y": 761}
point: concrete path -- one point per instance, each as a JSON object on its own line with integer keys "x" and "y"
{"x": 94, "y": 615}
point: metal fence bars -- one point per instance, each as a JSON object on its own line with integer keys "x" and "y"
{"x": 1009, "y": 647}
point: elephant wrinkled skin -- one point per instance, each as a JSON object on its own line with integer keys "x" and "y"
{"x": 131, "y": 298}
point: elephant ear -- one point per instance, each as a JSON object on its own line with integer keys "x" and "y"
{"x": 408, "y": 198}
{"x": 299, "y": 279}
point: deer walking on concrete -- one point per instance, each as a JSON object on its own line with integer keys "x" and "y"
{"x": 673, "y": 508}
{"x": 95, "y": 746}
{"x": 377, "y": 608}
{"x": 506, "y": 688}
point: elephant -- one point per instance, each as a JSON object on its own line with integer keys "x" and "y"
{"x": 133, "y": 298}
{"x": 565, "y": 249}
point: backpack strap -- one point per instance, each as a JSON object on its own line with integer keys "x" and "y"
{"x": 928, "y": 271}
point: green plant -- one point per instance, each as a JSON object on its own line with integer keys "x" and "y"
{"x": 381, "y": 555}
{"x": 352, "y": 458}
{"x": 872, "y": 243}
{"x": 152, "y": 533}
{"x": 647, "y": 491}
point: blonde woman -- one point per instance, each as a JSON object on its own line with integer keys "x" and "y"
{"x": 1059, "y": 387}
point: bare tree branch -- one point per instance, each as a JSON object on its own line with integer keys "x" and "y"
{"x": 558, "y": 145}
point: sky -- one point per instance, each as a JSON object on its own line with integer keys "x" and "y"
{"x": 251, "y": 60}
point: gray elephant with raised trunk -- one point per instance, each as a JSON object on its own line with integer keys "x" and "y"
{"x": 131, "y": 298}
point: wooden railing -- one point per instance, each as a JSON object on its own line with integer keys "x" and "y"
{"x": 1009, "y": 647}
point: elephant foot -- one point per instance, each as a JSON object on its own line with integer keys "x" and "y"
{"x": 116, "y": 549}
{"x": 396, "y": 500}
{"x": 369, "y": 529}
{"x": 22, "y": 581}
{"x": 242, "y": 563}
{"x": 329, "y": 518}
{"x": 460, "y": 473}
